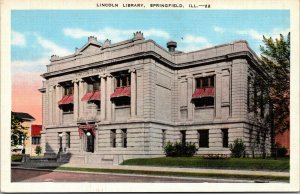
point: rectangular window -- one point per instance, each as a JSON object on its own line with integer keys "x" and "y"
{"x": 262, "y": 103}
{"x": 163, "y": 137}
{"x": 68, "y": 139}
{"x": 205, "y": 82}
{"x": 33, "y": 141}
{"x": 225, "y": 138}
{"x": 122, "y": 80}
{"x": 183, "y": 137}
{"x": 255, "y": 98}
{"x": 204, "y": 94}
{"x": 248, "y": 94}
{"x": 258, "y": 137}
{"x": 203, "y": 138}
{"x": 69, "y": 90}
{"x": 96, "y": 86}
{"x": 113, "y": 138}
{"x": 124, "y": 138}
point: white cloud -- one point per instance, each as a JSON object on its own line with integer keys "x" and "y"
{"x": 157, "y": 33}
{"x": 18, "y": 39}
{"x": 252, "y": 33}
{"x": 218, "y": 29}
{"x": 38, "y": 65}
{"x": 274, "y": 33}
{"x": 77, "y": 33}
{"x": 114, "y": 34}
{"x": 192, "y": 43}
{"x": 52, "y": 47}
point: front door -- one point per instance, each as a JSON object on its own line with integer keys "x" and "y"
{"x": 90, "y": 143}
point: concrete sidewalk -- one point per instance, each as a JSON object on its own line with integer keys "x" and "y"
{"x": 176, "y": 169}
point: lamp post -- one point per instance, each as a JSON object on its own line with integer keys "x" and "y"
{"x": 60, "y": 135}
{"x": 23, "y": 144}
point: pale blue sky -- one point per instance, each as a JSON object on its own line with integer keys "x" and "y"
{"x": 36, "y": 35}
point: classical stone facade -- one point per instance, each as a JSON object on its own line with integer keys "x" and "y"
{"x": 111, "y": 102}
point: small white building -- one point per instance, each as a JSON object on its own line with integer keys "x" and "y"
{"x": 111, "y": 102}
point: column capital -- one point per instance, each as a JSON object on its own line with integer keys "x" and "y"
{"x": 132, "y": 70}
{"x": 189, "y": 76}
{"x": 78, "y": 79}
{"x": 56, "y": 85}
{"x": 218, "y": 71}
{"x": 102, "y": 75}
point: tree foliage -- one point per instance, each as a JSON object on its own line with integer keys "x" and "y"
{"x": 276, "y": 61}
{"x": 17, "y": 131}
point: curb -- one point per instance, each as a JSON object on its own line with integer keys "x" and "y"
{"x": 171, "y": 174}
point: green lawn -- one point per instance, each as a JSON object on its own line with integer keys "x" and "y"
{"x": 281, "y": 164}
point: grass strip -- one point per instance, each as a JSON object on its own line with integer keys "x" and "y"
{"x": 183, "y": 174}
{"x": 199, "y": 162}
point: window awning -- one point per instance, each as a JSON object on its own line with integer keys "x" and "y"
{"x": 96, "y": 95}
{"x": 203, "y": 92}
{"x": 121, "y": 92}
{"x": 87, "y": 96}
{"x": 82, "y": 128}
{"x": 67, "y": 99}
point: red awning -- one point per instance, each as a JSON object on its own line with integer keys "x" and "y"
{"x": 82, "y": 128}
{"x": 87, "y": 96}
{"x": 36, "y": 130}
{"x": 203, "y": 92}
{"x": 67, "y": 99}
{"x": 96, "y": 95}
{"x": 121, "y": 92}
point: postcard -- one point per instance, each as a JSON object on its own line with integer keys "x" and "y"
{"x": 149, "y": 96}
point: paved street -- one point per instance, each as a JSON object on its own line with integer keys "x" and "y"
{"x": 30, "y": 175}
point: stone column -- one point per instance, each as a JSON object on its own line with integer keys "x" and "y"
{"x": 103, "y": 96}
{"x": 190, "y": 105}
{"x": 85, "y": 86}
{"x": 109, "y": 91}
{"x": 218, "y": 94}
{"x": 80, "y": 94}
{"x": 76, "y": 100}
{"x": 55, "y": 105}
{"x": 59, "y": 111}
{"x": 50, "y": 101}
{"x": 133, "y": 92}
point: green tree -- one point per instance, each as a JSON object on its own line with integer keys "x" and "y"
{"x": 276, "y": 61}
{"x": 17, "y": 131}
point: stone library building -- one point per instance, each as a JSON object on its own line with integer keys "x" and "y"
{"x": 106, "y": 102}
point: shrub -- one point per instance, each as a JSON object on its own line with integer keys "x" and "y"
{"x": 180, "y": 150}
{"x": 16, "y": 158}
{"x": 281, "y": 151}
{"x": 237, "y": 148}
{"x": 38, "y": 150}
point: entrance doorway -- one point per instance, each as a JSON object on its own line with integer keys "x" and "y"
{"x": 90, "y": 141}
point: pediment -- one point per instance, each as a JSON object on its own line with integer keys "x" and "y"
{"x": 89, "y": 48}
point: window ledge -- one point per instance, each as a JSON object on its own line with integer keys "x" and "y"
{"x": 67, "y": 113}
{"x": 123, "y": 106}
{"x": 205, "y": 107}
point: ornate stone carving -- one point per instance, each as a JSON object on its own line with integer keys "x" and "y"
{"x": 106, "y": 44}
{"x": 138, "y": 36}
{"x": 54, "y": 58}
